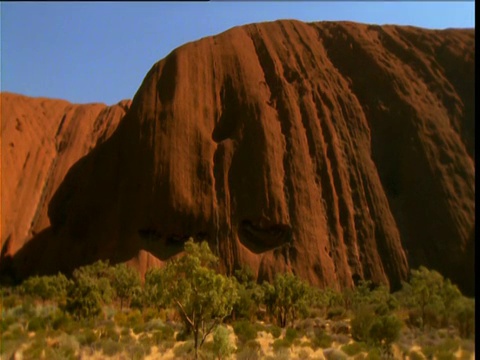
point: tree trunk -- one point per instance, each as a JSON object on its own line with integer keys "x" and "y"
{"x": 195, "y": 336}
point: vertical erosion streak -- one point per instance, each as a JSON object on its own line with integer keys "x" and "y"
{"x": 332, "y": 187}
{"x": 373, "y": 87}
{"x": 279, "y": 103}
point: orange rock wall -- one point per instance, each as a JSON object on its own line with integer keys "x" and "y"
{"x": 337, "y": 150}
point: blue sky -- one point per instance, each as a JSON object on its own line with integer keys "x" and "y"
{"x": 101, "y": 51}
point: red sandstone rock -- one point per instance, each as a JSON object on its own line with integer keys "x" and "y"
{"x": 334, "y": 149}
{"x": 41, "y": 140}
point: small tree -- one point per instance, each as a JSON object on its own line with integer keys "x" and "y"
{"x": 202, "y": 297}
{"x": 375, "y": 329}
{"x": 430, "y": 293}
{"x": 464, "y": 316}
{"x": 83, "y": 299}
{"x": 286, "y": 297}
{"x": 99, "y": 276}
{"x": 89, "y": 290}
{"x": 125, "y": 281}
{"x": 154, "y": 288}
{"x": 250, "y": 295}
{"x": 384, "y": 331}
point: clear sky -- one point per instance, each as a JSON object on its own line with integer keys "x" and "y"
{"x": 101, "y": 51}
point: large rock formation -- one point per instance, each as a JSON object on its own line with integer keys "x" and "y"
{"x": 337, "y": 150}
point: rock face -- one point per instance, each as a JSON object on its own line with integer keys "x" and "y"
{"x": 41, "y": 140}
{"x": 340, "y": 151}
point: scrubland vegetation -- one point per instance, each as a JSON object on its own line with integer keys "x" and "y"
{"x": 188, "y": 310}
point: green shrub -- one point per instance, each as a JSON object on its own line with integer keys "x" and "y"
{"x": 60, "y": 320}
{"x": 321, "y": 339}
{"x": 83, "y": 300}
{"x": 120, "y": 318}
{"x": 354, "y": 348}
{"x": 374, "y": 354}
{"x": 244, "y": 330}
{"x": 385, "y": 330}
{"x": 110, "y": 347}
{"x": 275, "y": 330}
{"x": 361, "y": 324}
{"x": 281, "y": 343}
{"x": 36, "y": 323}
{"x": 134, "y": 318}
{"x": 290, "y": 335}
{"x": 464, "y": 316}
{"x": 137, "y": 329}
{"x": 222, "y": 347}
{"x": 87, "y": 337}
{"x": 336, "y": 313}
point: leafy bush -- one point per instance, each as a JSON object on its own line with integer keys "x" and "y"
{"x": 321, "y": 339}
{"x": 125, "y": 282}
{"x": 275, "y": 331}
{"x": 290, "y": 335}
{"x": 110, "y": 347}
{"x": 222, "y": 347}
{"x": 354, "y": 348}
{"x": 385, "y": 330}
{"x": 83, "y": 300}
{"x": 376, "y": 330}
{"x": 60, "y": 320}
{"x": 336, "y": 313}
{"x": 464, "y": 316}
{"x": 361, "y": 324}
{"x": 244, "y": 330}
{"x": 281, "y": 343}
{"x": 36, "y": 323}
{"x": 286, "y": 297}
{"x": 87, "y": 337}
{"x": 46, "y": 287}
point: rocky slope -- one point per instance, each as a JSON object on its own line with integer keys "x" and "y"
{"x": 338, "y": 150}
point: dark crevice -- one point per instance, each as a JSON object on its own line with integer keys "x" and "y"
{"x": 260, "y": 238}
